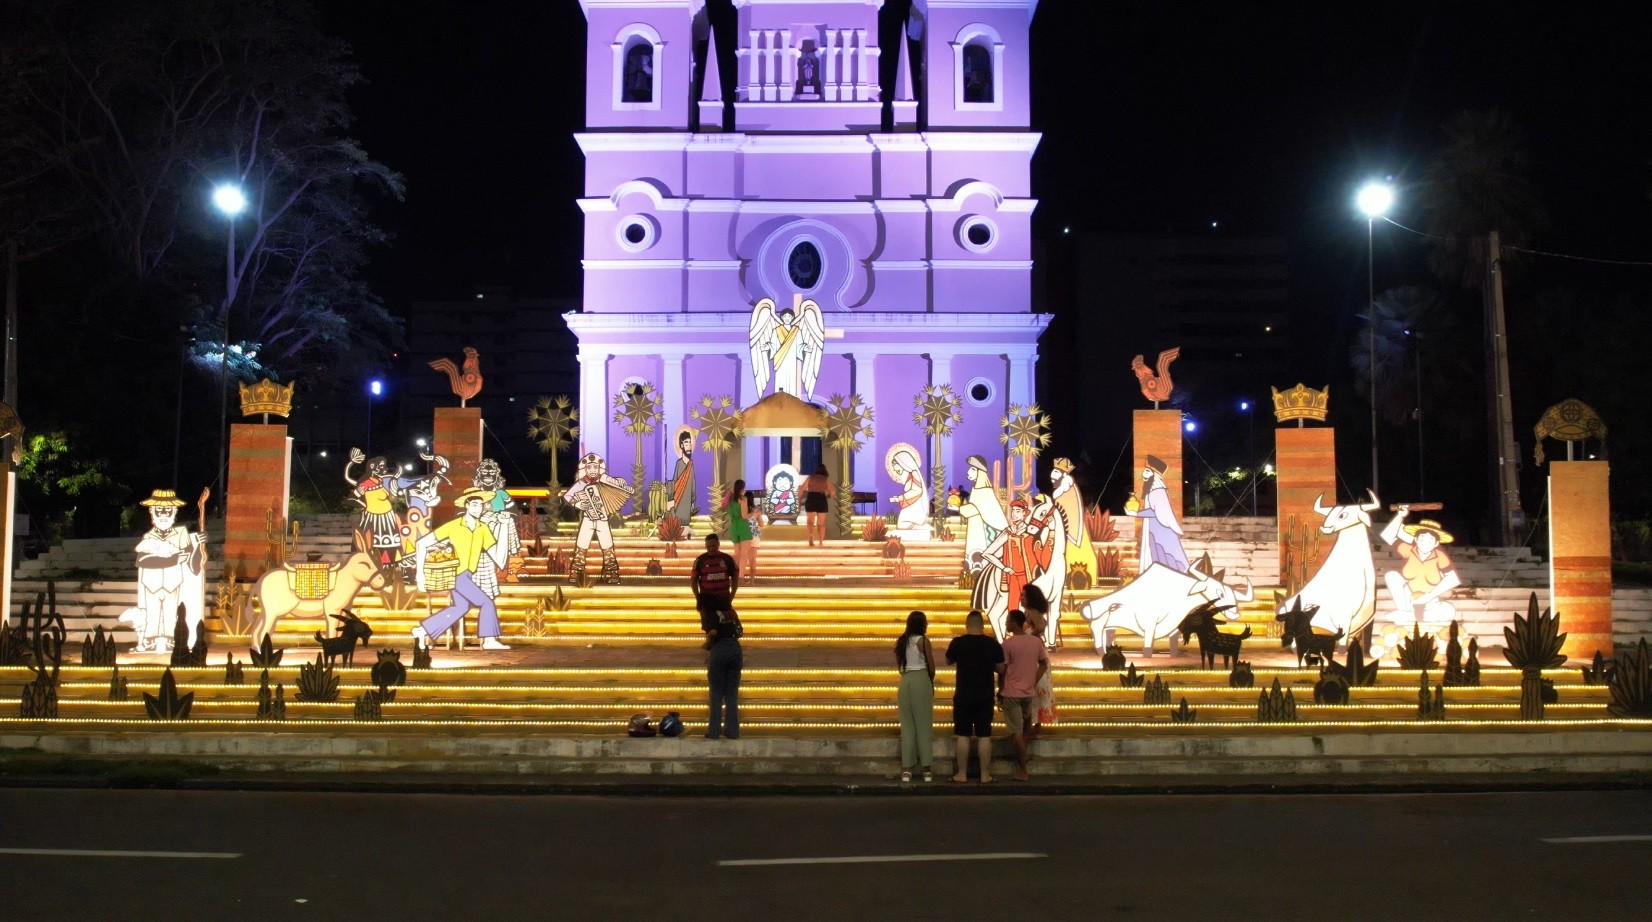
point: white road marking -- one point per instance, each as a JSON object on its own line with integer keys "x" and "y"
{"x": 882, "y": 859}
{"x": 111, "y": 853}
{"x": 1590, "y": 840}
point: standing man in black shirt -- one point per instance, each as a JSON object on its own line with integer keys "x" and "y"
{"x": 979, "y": 660}
{"x": 715, "y": 579}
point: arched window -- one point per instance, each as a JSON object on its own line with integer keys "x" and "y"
{"x": 639, "y": 66}
{"x": 638, "y": 77}
{"x": 978, "y": 83}
{"x": 978, "y": 68}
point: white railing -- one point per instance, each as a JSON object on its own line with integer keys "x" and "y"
{"x": 848, "y": 65}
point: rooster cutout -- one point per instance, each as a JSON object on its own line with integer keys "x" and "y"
{"x": 1156, "y": 388}
{"x": 467, "y": 381}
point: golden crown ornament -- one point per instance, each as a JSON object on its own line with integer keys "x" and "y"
{"x": 268, "y": 398}
{"x": 1301, "y": 403}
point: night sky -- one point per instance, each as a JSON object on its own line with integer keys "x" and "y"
{"x": 1157, "y": 117}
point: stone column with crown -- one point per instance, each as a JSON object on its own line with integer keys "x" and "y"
{"x": 1580, "y": 529}
{"x": 260, "y": 481}
{"x": 1305, "y": 461}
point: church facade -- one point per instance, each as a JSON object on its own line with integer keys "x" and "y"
{"x": 801, "y": 181}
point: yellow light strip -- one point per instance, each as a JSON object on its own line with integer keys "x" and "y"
{"x": 244, "y": 723}
{"x": 801, "y": 706}
{"x": 755, "y": 687}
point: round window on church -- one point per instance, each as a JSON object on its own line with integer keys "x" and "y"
{"x": 977, "y": 233}
{"x": 804, "y": 265}
{"x": 637, "y": 232}
{"x": 980, "y": 392}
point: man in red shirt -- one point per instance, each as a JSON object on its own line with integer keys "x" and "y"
{"x": 715, "y": 579}
{"x": 1025, "y": 662}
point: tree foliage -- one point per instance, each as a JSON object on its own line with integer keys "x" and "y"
{"x": 126, "y": 115}
{"x": 1476, "y": 183}
{"x": 56, "y": 480}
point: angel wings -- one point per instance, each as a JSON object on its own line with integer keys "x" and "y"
{"x": 787, "y": 345}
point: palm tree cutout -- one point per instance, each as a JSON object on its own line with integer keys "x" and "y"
{"x": 554, "y": 425}
{"x": 1026, "y": 433}
{"x": 848, "y": 419}
{"x": 937, "y": 413}
{"x": 638, "y": 409}
{"x": 720, "y": 426}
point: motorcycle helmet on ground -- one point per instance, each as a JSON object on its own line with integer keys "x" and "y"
{"x": 640, "y": 726}
{"x": 671, "y": 725}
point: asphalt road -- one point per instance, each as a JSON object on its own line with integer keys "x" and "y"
{"x": 395, "y": 857}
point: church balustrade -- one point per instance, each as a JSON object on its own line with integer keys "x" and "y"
{"x": 842, "y": 66}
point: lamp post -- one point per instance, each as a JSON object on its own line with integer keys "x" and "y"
{"x": 1188, "y": 428}
{"x": 1417, "y": 412}
{"x": 1374, "y": 200}
{"x": 230, "y": 202}
{"x": 375, "y": 387}
{"x": 1250, "y": 456}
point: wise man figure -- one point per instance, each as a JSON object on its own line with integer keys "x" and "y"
{"x": 1064, "y": 490}
{"x": 587, "y": 496}
{"x": 1161, "y": 534}
{"x": 500, "y": 518}
{"x": 171, "y": 572}
{"x": 470, "y": 540}
{"x": 1420, "y": 586}
{"x": 983, "y": 514}
{"x": 1016, "y": 557}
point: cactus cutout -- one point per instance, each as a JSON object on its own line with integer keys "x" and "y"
{"x": 1417, "y": 650}
{"x": 98, "y": 649}
{"x": 168, "y": 704}
{"x": 265, "y": 655}
{"x": 317, "y": 681}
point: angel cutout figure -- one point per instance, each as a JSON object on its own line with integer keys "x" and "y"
{"x": 786, "y": 344}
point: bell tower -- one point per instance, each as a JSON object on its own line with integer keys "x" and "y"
{"x": 639, "y": 62}
{"x": 975, "y": 57}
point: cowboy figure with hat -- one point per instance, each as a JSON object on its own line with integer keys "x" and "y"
{"x": 171, "y": 572}
{"x": 597, "y": 496}
{"x": 1161, "y": 534}
{"x": 470, "y": 540}
{"x": 1420, "y": 586}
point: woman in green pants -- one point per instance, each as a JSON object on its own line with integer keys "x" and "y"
{"x": 916, "y": 662}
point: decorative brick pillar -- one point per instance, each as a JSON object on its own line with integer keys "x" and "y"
{"x": 260, "y": 466}
{"x": 457, "y": 436}
{"x": 1159, "y": 433}
{"x": 8, "y": 503}
{"x": 1305, "y": 462}
{"x": 1580, "y": 555}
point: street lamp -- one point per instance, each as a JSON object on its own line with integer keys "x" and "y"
{"x": 230, "y": 202}
{"x": 1250, "y": 457}
{"x": 375, "y": 388}
{"x": 1374, "y": 200}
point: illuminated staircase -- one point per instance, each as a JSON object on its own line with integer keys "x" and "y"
{"x": 828, "y": 701}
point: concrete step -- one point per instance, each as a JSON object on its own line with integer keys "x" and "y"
{"x": 1209, "y": 751}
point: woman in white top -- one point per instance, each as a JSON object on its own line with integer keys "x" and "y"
{"x": 916, "y": 662}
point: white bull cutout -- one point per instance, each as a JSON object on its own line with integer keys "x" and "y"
{"x": 1345, "y": 587}
{"x": 1157, "y": 600}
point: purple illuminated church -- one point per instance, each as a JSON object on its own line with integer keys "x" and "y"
{"x": 915, "y": 243}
